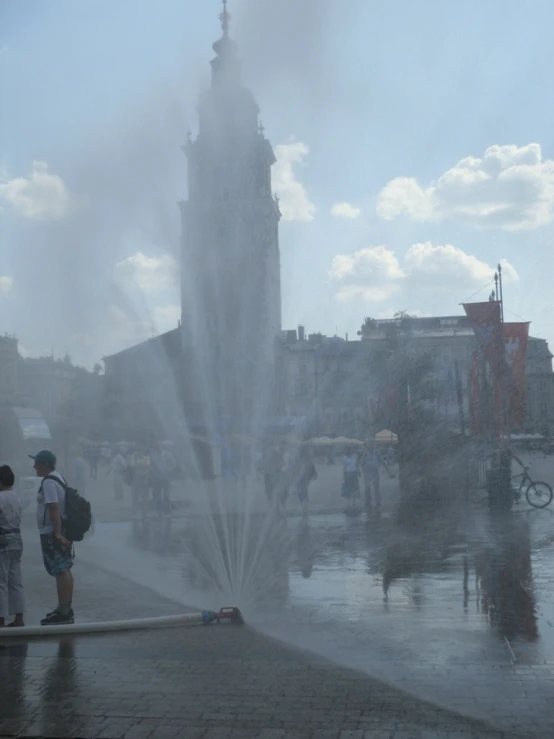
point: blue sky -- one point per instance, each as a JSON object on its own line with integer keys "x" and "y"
{"x": 369, "y": 104}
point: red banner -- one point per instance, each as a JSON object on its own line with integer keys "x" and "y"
{"x": 515, "y": 343}
{"x": 486, "y": 323}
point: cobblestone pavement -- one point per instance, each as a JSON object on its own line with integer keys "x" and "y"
{"x": 211, "y": 682}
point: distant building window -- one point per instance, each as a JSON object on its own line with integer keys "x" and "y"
{"x": 448, "y": 321}
{"x": 543, "y": 409}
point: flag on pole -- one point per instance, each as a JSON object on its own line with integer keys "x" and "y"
{"x": 515, "y": 342}
{"x": 486, "y": 323}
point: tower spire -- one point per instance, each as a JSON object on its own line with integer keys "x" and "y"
{"x": 226, "y": 66}
{"x": 225, "y": 17}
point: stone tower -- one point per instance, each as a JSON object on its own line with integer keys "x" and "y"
{"x": 230, "y": 263}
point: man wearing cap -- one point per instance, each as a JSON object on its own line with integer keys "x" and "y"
{"x": 56, "y": 549}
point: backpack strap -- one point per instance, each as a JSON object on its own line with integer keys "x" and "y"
{"x": 60, "y": 481}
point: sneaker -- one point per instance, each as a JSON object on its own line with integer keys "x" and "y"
{"x": 57, "y": 617}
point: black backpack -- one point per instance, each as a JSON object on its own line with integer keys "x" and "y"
{"x": 78, "y": 513}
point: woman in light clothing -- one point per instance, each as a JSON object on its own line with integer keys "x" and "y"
{"x": 12, "y": 602}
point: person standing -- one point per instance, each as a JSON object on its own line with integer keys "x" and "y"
{"x": 94, "y": 457}
{"x": 56, "y": 549}
{"x": 140, "y": 486}
{"x": 273, "y": 464}
{"x": 371, "y": 460}
{"x": 351, "y": 470}
{"x": 117, "y": 470}
{"x": 12, "y": 599}
{"x": 163, "y": 466}
{"x": 81, "y": 473}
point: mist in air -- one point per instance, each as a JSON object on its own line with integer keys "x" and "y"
{"x": 275, "y": 288}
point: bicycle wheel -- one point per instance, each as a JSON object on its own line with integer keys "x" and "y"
{"x": 539, "y": 494}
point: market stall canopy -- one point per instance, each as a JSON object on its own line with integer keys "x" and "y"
{"x": 321, "y": 441}
{"x": 343, "y": 441}
{"x": 386, "y": 436}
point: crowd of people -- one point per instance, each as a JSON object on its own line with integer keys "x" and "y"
{"x": 146, "y": 471}
{"x": 285, "y": 472}
{"x": 363, "y": 463}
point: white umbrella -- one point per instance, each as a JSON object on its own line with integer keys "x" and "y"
{"x": 347, "y": 442}
{"x": 321, "y": 441}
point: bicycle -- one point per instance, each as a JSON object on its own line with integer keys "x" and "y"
{"x": 538, "y": 494}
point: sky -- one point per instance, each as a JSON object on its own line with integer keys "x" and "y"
{"x": 414, "y": 148}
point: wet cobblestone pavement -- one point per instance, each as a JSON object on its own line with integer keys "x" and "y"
{"x": 467, "y": 625}
{"x": 218, "y": 681}
{"x": 202, "y": 682}
{"x": 420, "y": 627}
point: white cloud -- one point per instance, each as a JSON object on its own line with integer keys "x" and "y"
{"x": 294, "y": 201}
{"x": 6, "y": 284}
{"x": 374, "y": 274}
{"x": 40, "y": 196}
{"x": 345, "y": 210}
{"x": 371, "y": 274}
{"x": 510, "y": 188}
{"x": 150, "y": 274}
{"x": 449, "y": 266}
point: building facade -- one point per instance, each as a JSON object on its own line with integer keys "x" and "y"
{"x": 329, "y": 381}
{"x": 325, "y": 382}
{"x": 540, "y": 388}
{"x": 9, "y": 358}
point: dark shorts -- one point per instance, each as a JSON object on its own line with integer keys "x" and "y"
{"x": 57, "y": 559}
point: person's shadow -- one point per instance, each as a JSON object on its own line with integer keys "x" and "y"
{"x": 305, "y": 551}
{"x": 13, "y": 661}
{"x": 60, "y": 685}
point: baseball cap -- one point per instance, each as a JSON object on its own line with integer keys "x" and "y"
{"x": 45, "y": 457}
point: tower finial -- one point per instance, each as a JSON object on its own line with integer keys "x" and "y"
{"x": 225, "y": 17}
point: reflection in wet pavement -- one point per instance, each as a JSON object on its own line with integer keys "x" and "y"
{"x": 459, "y": 614}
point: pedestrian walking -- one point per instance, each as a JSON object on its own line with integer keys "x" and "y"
{"x": 56, "y": 549}
{"x": 305, "y": 472}
{"x": 351, "y": 482}
{"x": 12, "y": 599}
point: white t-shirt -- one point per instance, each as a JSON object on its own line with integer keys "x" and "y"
{"x": 50, "y": 492}
{"x": 350, "y": 462}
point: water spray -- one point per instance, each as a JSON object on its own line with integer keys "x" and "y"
{"x": 230, "y": 615}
